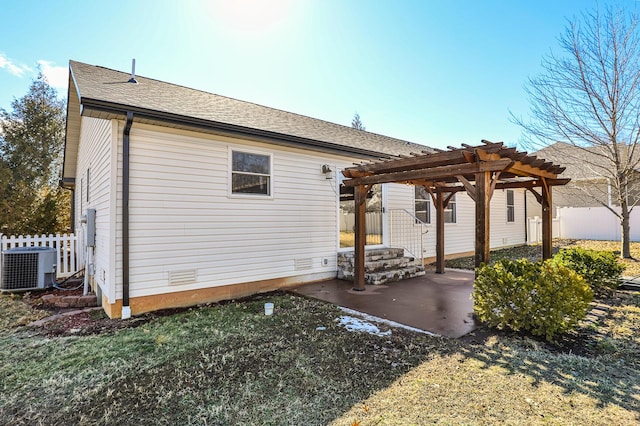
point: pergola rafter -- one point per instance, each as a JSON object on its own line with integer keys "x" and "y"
{"x": 478, "y": 170}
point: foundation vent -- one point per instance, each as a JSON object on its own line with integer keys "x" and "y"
{"x": 182, "y": 277}
{"x": 301, "y": 264}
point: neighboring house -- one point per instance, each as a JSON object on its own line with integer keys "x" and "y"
{"x": 200, "y": 198}
{"x": 582, "y": 206}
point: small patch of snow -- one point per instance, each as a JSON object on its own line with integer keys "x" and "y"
{"x": 321, "y": 328}
{"x": 385, "y": 321}
{"x": 356, "y": 324}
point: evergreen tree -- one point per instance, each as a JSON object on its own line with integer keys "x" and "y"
{"x": 31, "y": 149}
{"x": 356, "y": 123}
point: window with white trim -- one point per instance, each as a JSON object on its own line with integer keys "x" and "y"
{"x": 450, "y": 211}
{"x": 511, "y": 207}
{"x": 422, "y": 204}
{"x": 250, "y": 173}
{"x": 88, "y": 187}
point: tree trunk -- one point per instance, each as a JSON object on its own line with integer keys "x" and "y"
{"x": 625, "y": 246}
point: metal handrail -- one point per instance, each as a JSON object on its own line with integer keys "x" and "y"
{"x": 407, "y": 232}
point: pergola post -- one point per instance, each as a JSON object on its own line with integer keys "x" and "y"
{"x": 439, "y": 204}
{"x": 547, "y": 221}
{"x": 478, "y": 170}
{"x": 360, "y": 197}
{"x": 483, "y": 200}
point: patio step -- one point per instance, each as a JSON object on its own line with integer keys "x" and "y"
{"x": 381, "y": 266}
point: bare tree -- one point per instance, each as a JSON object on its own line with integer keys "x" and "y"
{"x": 356, "y": 123}
{"x": 589, "y": 97}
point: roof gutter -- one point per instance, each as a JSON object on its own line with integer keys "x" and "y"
{"x": 226, "y": 129}
{"x": 126, "y": 309}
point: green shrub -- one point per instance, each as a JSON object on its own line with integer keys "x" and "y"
{"x": 601, "y": 269}
{"x": 543, "y": 298}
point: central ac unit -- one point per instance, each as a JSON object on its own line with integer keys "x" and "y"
{"x": 28, "y": 268}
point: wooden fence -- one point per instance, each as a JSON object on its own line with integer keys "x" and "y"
{"x": 66, "y": 246}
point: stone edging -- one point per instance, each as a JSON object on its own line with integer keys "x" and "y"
{"x": 41, "y": 322}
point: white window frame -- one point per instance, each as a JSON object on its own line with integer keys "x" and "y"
{"x": 452, "y": 206}
{"x": 511, "y": 207}
{"x": 231, "y": 171}
{"x": 426, "y": 200}
{"x": 82, "y": 194}
{"x": 88, "y": 185}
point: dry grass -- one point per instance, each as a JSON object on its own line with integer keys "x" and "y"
{"x": 229, "y": 364}
{"x": 222, "y": 364}
{"x": 502, "y": 382}
{"x": 347, "y": 239}
{"x": 14, "y": 313}
{"x": 534, "y": 252}
{"x": 506, "y": 379}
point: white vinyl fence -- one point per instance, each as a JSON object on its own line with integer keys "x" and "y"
{"x": 373, "y": 222}
{"x": 66, "y": 246}
{"x": 585, "y": 223}
{"x": 596, "y": 223}
{"x": 534, "y": 229}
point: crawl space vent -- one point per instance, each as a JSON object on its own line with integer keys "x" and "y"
{"x": 182, "y": 277}
{"x": 301, "y": 264}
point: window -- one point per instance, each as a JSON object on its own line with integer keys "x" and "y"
{"x": 88, "y": 187}
{"x": 511, "y": 211}
{"x": 250, "y": 173}
{"x": 81, "y": 192}
{"x": 450, "y": 211}
{"x": 373, "y": 211}
{"x": 422, "y": 204}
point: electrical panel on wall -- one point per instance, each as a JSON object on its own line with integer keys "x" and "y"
{"x": 91, "y": 227}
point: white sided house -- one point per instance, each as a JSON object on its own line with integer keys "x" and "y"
{"x": 199, "y": 197}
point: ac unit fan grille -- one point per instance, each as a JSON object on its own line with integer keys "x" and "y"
{"x": 19, "y": 271}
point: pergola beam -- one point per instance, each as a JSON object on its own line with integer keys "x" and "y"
{"x": 478, "y": 170}
{"x": 456, "y": 156}
{"x": 434, "y": 173}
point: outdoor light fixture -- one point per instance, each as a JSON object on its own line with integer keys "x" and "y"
{"x": 327, "y": 171}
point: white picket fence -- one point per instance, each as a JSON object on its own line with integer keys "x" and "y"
{"x": 66, "y": 246}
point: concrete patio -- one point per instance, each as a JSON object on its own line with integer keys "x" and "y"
{"x": 438, "y": 303}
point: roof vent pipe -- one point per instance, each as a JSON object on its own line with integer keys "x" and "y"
{"x": 133, "y": 72}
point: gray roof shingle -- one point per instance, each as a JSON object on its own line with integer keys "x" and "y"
{"x": 111, "y": 87}
{"x": 586, "y": 163}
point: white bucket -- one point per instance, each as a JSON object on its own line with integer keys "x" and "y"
{"x": 268, "y": 308}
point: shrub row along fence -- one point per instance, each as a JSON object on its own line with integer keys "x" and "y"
{"x": 65, "y": 245}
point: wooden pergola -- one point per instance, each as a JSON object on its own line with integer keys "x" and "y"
{"x": 478, "y": 170}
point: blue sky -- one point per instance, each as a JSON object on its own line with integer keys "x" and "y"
{"x": 434, "y": 72}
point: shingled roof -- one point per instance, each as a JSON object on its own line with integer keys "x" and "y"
{"x": 585, "y": 163}
{"x": 106, "y": 93}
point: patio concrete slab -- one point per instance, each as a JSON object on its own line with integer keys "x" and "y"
{"x": 438, "y": 303}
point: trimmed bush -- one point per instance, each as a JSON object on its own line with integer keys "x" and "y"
{"x": 601, "y": 269}
{"x": 543, "y": 298}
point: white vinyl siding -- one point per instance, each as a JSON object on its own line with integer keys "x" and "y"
{"x": 182, "y": 219}
{"x": 93, "y": 189}
{"x": 187, "y": 232}
{"x": 460, "y": 236}
{"x": 505, "y": 233}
